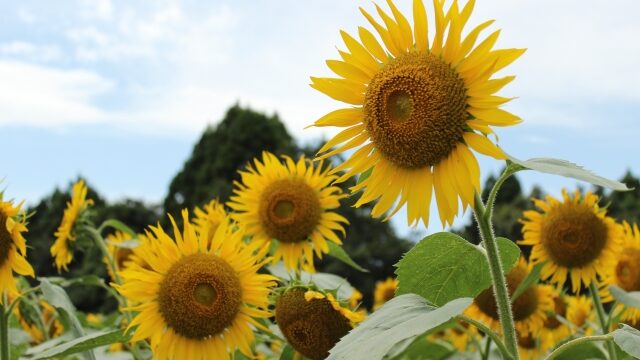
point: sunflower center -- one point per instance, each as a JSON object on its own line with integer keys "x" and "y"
{"x": 628, "y": 269}
{"x": 200, "y": 296}
{"x": 525, "y": 305}
{"x": 289, "y": 210}
{"x": 5, "y": 239}
{"x": 415, "y": 110}
{"x": 527, "y": 342}
{"x": 552, "y": 322}
{"x": 311, "y": 327}
{"x": 573, "y": 235}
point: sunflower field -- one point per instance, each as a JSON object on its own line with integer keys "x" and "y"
{"x": 244, "y": 275}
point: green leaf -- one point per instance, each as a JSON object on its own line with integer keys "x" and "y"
{"x": 628, "y": 339}
{"x": 444, "y": 266}
{"x": 570, "y": 170}
{"x": 629, "y": 299}
{"x": 287, "y": 353}
{"x": 588, "y": 350}
{"x": 57, "y": 297}
{"x": 338, "y": 252}
{"x": 118, "y": 225}
{"x": 423, "y": 349}
{"x": 83, "y": 343}
{"x": 403, "y": 317}
{"x": 531, "y": 279}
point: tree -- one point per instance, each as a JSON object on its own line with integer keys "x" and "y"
{"x": 221, "y": 151}
{"x": 623, "y": 205}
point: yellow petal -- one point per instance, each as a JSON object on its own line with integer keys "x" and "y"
{"x": 483, "y": 145}
{"x": 420, "y": 25}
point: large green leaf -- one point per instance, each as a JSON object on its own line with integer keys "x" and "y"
{"x": 423, "y": 349}
{"x": 628, "y": 339}
{"x": 338, "y": 252}
{"x": 444, "y": 266}
{"x": 83, "y": 343}
{"x": 568, "y": 169}
{"x": 402, "y": 318}
{"x": 588, "y": 350}
{"x": 58, "y": 298}
{"x": 630, "y": 299}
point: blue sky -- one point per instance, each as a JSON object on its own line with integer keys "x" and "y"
{"x": 119, "y": 91}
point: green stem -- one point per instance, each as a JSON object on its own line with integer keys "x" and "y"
{"x": 575, "y": 342}
{"x": 490, "y": 333}
{"x": 491, "y": 199}
{"x": 487, "y": 349}
{"x": 4, "y": 329}
{"x": 597, "y": 303}
{"x": 500, "y": 290}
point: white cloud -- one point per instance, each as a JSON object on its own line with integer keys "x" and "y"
{"x": 26, "y": 16}
{"x": 38, "y": 95}
{"x": 33, "y": 52}
{"x": 96, "y": 9}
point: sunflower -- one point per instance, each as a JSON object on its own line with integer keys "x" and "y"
{"x": 384, "y": 291}
{"x": 555, "y": 325}
{"x": 580, "y": 313}
{"x": 61, "y": 249}
{"x": 533, "y": 348}
{"x": 289, "y": 202}
{"x": 121, "y": 255}
{"x": 462, "y": 336}
{"x": 573, "y": 237}
{"x": 198, "y": 300}
{"x": 13, "y": 247}
{"x": 209, "y": 218}
{"x": 529, "y": 309}
{"x": 312, "y": 321}
{"x": 417, "y": 107}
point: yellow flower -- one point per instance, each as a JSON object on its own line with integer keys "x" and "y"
{"x": 580, "y": 313}
{"x": 417, "y": 105}
{"x": 122, "y": 256}
{"x": 531, "y": 347}
{"x": 312, "y": 322}
{"x": 290, "y": 203}
{"x": 13, "y": 247}
{"x": 554, "y": 327}
{"x": 529, "y": 309}
{"x": 47, "y": 317}
{"x": 209, "y": 218}
{"x": 461, "y": 336}
{"x": 354, "y": 317}
{"x": 384, "y": 291}
{"x": 197, "y": 300}
{"x": 573, "y": 237}
{"x": 62, "y": 249}
{"x": 355, "y": 298}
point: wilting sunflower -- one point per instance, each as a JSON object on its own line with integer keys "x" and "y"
{"x": 62, "y": 249}
{"x": 384, "y": 291}
{"x": 555, "y": 325}
{"x": 573, "y": 237}
{"x": 13, "y": 247}
{"x": 313, "y": 322}
{"x": 418, "y": 103}
{"x": 209, "y": 218}
{"x": 198, "y": 300}
{"x": 33, "y": 321}
{"x": 290, "y": 203}
{"x": 580, "y": 313}
{"x": 529, "y": 309}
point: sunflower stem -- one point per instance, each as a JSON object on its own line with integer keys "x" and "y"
{"x": 500, "y": 290}
{"x": 4, "y": 328}
{"x": 511, "y": 169}
{"x": 597, "y": 303}
{"x": 576, "y": 342}
{"x": 490, "y": 333}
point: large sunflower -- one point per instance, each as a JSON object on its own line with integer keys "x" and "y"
{"x": 290, "y": 203}
{"x": 62, "y": 249}
{"x": 418, "y": 104}
{"x": 573, "y": 237}
{"x": 530, "y": 309}
{"x": 198, "y": 300}
{"x": 13, "y": 247}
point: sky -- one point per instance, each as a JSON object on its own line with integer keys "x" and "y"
{"x": 120, "y": 91}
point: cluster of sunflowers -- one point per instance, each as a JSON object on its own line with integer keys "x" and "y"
{"x": 237, "y": 280}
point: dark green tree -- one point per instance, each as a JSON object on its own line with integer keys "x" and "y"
{"x": 221, "y": 151}
{"x": 623, "y": 205}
